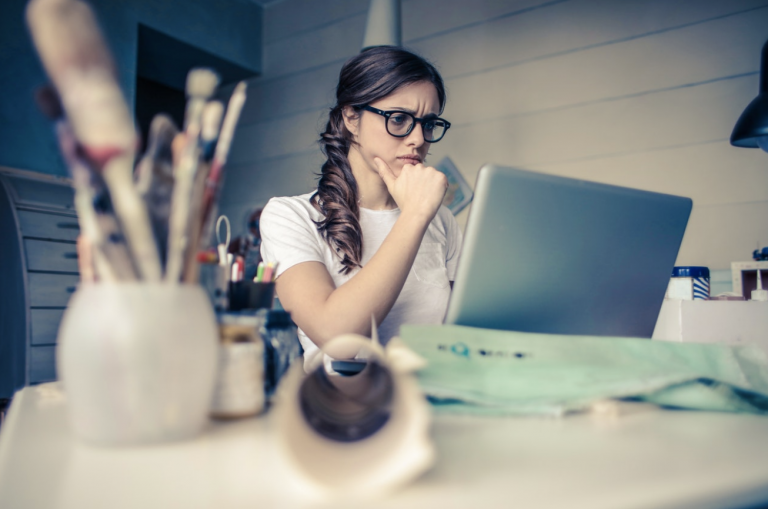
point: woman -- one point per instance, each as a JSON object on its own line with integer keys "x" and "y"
{"x": 374, "y": 238}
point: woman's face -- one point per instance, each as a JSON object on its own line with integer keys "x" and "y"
{"x": 370, "y": 131}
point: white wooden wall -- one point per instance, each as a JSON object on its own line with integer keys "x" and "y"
{"x": 639, "y": 93}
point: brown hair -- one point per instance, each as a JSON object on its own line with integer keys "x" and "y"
{"x": 371, "y": 75}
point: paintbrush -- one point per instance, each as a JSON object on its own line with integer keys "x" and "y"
{"x": 154, "y": 178}
{"x": 216, "y": 177}
{"x": 211, "y": 121}
{"x": 98, "y": 224}
{"x": 78, "y": 62}
{"x": 201, "y": 85}
{"x": 211, "y": 125}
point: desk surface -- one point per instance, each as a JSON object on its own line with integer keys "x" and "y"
{"x": 645, "y": 457}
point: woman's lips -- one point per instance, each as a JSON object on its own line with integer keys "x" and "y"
{"x": 410, "y": 160}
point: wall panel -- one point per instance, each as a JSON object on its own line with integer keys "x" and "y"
{"x": 665, "y": 119}
{"x": 279, "y": 137}
{"x": 256, "y": 183}
{"x": 720, "y": 234}
{"x": 289, "y": 18}
{"x": 678, "y": 58}
{"x": 428, "y": 18}
{"x": 714, "y": 173}
{"x": 330, "y": 43}
{"x": 566, "y": 27}
{"x": 288, "y": 95}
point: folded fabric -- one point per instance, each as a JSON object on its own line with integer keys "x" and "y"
{"x": 494, "y": 372}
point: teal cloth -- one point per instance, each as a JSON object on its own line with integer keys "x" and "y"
{"x": 496, "y": 372}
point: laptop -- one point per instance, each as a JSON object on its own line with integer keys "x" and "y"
{"x": 558, "y": 255}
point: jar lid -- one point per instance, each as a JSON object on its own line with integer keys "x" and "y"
{"x": 278, "y": 318}
{"x": 690, "y": 272}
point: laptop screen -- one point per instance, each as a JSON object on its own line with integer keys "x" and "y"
{"x": 557, "y": 255}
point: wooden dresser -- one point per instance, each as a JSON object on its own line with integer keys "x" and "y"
{"x": 38, "y": 273}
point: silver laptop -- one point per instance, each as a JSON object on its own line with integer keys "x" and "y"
{"x": 563, "y": 256}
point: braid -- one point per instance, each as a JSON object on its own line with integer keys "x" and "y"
{"x": 336, "y": 196}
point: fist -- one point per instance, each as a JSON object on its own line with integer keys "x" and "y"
{"x": 418, "y": 190}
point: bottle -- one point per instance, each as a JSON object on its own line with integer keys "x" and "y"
{"x": 689, "y": 283}
{"x": 282, "y": 347}
{"x": 239, "y": 390}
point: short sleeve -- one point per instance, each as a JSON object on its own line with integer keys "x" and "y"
{"x": 454, "y": 241}
{"x": 288, "y": 235}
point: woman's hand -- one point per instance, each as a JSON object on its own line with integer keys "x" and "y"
{"x": 418, "y": 190}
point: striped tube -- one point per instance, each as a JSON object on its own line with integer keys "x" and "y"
{"x": 700, "y": 288}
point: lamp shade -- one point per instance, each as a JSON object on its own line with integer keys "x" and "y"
{"x": 751, "y": 130}
{"x": 383, "y": 26}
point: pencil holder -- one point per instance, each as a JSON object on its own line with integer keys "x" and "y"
{"x": 250, "y": 295}
{"x": 138, "y": 362}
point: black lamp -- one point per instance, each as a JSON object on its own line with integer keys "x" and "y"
{"x": 751, "y": 130}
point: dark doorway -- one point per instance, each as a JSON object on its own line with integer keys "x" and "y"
{"x": 153, "y": 98}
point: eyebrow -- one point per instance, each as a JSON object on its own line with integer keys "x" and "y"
{"x": 412, "y": 112}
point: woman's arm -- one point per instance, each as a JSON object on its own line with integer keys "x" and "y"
{"x": 324, "y": 311}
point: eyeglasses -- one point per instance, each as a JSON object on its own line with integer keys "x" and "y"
{"x": 400, "y": 124}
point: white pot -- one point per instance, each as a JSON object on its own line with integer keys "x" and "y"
{"x": 138, "y": 362}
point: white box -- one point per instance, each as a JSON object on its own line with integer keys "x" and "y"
{"x": 744, "y": 276}
{"x": 713, "y": 321}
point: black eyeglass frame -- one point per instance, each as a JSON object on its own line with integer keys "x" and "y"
{"x": 422, "y": 121}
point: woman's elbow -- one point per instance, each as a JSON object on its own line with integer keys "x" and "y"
{"x": 324, "y": 333}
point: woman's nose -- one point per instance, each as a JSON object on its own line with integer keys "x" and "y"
{"x": 416, "y": 136}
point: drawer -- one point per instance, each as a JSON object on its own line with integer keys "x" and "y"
{"x": 45, "y": 326}
{"x": 51, "y": 290}
{"x": 53, "y": 256}
{"x": 42, "y": 364}
{"x": 39, "y": 193}
{"x": 48, "y": 226}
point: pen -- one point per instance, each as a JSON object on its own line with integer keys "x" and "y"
{"x": 259, "y": 273}
{"x": 268, "y": 271}
{"x": 238, "y": 269}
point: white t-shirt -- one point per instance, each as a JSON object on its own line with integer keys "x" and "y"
{"x": 289, "y": 236}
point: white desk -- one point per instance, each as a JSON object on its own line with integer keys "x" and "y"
{"x": 644, "y": 458}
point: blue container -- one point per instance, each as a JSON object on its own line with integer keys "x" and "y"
{"x": 689, "y": 283}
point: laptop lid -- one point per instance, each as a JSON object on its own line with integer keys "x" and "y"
{"x": 557, "y": 255}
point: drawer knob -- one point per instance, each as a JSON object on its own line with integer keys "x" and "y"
{"x": 70, "y": 256}
{"x": 71, "y": 289}
{"x": 68, "y": 226}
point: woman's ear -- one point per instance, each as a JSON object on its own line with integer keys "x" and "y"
{"x": 351, "y": 119}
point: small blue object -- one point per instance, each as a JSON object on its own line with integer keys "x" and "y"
{"x": 694, "y": 272}
{"x": 760, "y": 254}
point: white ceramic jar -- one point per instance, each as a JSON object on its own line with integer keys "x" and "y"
{"x": 138, "y": 362}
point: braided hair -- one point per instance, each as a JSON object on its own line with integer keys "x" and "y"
{"x": 367, "y": 77}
